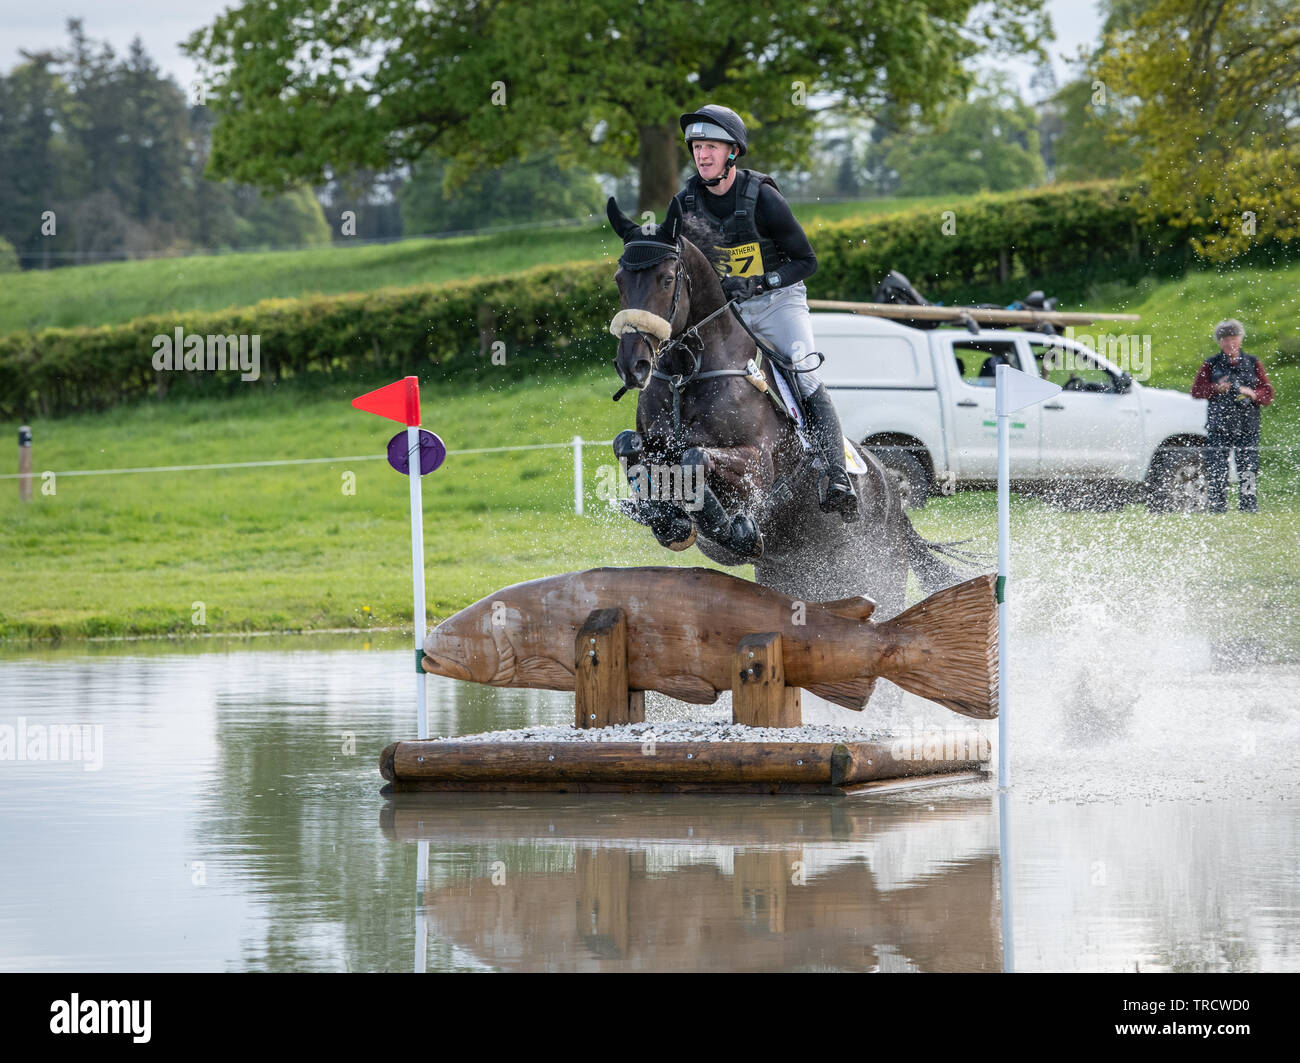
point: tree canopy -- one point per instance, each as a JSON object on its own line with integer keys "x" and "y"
{"x": 988, "y": 144}
{"x": 101, "y": 156}
{"x": 306, "y": 86}
{"x": 1209, "y": 92}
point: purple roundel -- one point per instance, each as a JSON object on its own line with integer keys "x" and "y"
{"x": 432, "y": 453}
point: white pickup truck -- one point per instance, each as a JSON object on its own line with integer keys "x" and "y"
{"x": 922, "y": 401}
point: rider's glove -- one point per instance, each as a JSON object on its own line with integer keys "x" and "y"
{"x": 742, "y": 288}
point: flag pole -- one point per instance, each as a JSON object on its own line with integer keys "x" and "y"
{"x": 1004, "y": 565}
{"x": 400, "y": 401}
{"x": 1015, "y": 391}
{"x": 417, "y": 570}
{"x": 1004, "y": 672}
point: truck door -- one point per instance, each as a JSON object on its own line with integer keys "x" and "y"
{"x": 974, "y": 416}
{"x": 1091, "y": 429}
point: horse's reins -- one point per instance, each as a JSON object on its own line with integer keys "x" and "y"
{"x": 678, "y": 382}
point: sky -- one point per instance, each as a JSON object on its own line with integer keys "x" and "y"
{"x": 162, "y": 24}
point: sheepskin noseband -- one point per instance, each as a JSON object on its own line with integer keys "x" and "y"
{"x": 640, "y": 321}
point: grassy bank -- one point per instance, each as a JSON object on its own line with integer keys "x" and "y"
{"x": 286, "y": 548}
{"x": 120, "y": 291}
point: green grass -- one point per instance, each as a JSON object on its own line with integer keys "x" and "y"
{"x": 284, "y": 548}
{"x": 117, "y": 292}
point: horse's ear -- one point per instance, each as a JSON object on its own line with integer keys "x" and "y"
{"x": 671, "y": 229}
{"x": 619, "y": 222}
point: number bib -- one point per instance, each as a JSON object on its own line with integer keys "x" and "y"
{"x": 746, "y": 260}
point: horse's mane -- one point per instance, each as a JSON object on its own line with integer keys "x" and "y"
{"x": 705, "y": 238}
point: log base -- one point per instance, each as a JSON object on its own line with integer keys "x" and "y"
{"x": 803, "y": 768}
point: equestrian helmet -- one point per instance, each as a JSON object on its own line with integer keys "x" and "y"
{"x": 712, "y": 122}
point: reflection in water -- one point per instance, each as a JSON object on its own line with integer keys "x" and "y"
{"x": 236, "y": 824}
{"x": 711, "y": 884}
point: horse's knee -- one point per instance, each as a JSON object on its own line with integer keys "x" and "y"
{"x": 628, "y": 444}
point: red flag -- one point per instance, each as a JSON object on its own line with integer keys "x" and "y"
{"x": 399, "y": 401}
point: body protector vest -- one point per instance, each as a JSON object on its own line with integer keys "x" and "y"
{"x": 1232, "y": 412}
{"x": 748, "y": 253}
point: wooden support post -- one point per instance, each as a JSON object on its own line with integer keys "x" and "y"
{"x": 759, "y": 696}
{"x": 600, "y": 676}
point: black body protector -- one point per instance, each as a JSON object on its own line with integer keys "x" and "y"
{"x": 748, "y": 253}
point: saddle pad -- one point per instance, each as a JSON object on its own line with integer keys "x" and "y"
{"x": 852, "y": 459}
{"x": 787, "y": 397}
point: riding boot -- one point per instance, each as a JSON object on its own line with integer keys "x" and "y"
{"x": 828, "y": 438}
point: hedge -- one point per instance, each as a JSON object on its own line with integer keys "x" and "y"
{"x": 993, "y": 245}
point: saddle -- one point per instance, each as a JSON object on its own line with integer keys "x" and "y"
{"x": 785, "y": 394}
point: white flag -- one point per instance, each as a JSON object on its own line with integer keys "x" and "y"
{"x": 1016, "y": 390}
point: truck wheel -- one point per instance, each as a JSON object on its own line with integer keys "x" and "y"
{"x": 1177, "y": 482}
{"x": 908, "y": 473}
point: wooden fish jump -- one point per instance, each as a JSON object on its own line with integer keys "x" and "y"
{"x": 611, "y": 634}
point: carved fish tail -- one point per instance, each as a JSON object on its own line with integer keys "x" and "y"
{"x": 952, "y": 647}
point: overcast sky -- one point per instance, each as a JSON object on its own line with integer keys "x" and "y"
{"x": 162, "y": 24}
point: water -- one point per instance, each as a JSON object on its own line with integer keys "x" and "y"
{"x": 235, "y": 823}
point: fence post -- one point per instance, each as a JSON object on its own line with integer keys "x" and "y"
{"x": 25, "y": 463}
{"x": 577, "y": 475}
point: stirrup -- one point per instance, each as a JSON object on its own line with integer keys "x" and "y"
{"x": 836, "y": 494}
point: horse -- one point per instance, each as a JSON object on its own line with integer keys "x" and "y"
{"x": 700, "y": 409}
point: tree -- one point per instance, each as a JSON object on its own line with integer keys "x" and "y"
{"x": 1208, "y": 94}
{"x": 536, "y": 189}
{"x": 1089, "y": 142}
{"x": 33, "y": 104}
{"x": 989, "y": 144}
{"x": 306, "y": 86}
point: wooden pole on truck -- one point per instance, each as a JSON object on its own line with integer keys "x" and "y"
{"x": 976, "y": 314}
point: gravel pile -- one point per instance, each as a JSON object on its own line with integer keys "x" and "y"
{"x": 674, "y": 731}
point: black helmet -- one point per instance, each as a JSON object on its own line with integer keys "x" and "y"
{"x": 712, "y": 122}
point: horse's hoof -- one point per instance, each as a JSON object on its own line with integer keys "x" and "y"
{"x": 685, "y": 544}
{"x": 746, "y": 539}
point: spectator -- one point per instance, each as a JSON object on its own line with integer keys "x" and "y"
{"x": 1236, "y": 386}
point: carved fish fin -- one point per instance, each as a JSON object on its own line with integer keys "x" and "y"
{"x": 687, "y": 688}
{"x": 544, "y": 672}
{"x": 952, "y": 648}
{"x": 851, "y": 693}
{"x": 859, "y": 607}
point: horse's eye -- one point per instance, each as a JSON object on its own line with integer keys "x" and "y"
{"x": 665, "y": 282}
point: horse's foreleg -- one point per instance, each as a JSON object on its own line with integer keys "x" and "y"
{"x": 733, "y": 466}
{"x": 671, "y": 525}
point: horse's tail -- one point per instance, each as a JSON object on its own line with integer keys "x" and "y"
{"x": 934, "y": 574}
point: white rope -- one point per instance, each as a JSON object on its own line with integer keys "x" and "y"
{"x": 292, "y": 461}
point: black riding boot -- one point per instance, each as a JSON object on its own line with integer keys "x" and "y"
{"x": 828, "y": 438}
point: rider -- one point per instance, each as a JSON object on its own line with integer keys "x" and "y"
{"x": 769, "y": 258}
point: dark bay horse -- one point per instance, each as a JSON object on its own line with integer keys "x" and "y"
{"x": 686, "y": 352}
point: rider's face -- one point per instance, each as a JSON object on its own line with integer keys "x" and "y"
{"x": 710, "y": 157}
